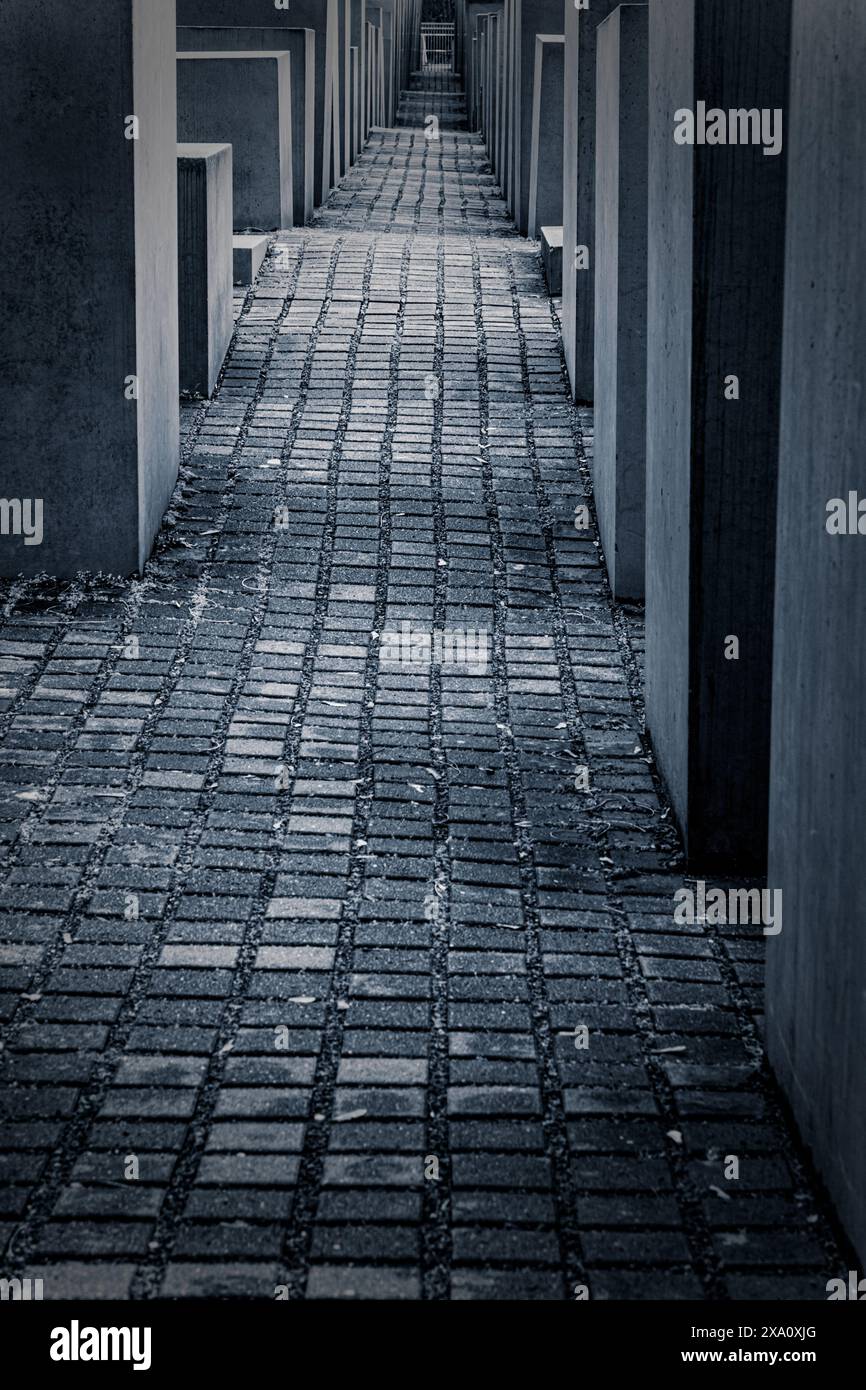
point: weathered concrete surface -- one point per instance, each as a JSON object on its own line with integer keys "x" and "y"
{"x": 545, "y": 156}
{"x": 248, "y": 252}
{"x": 512, "y": 77}
{"x": 495, "y": 85}
{"x": 471, "y": 74}
{"x": 323, "y": 16}
{"x": 318, "y": 15}
{"x": 578, "y": 195}
{"x": 816, "y": 967}
{"x": 204, "y": 226}
{"x": 88, "y": 280}
{"x": 619, "y": 468}
{"x": 369, "y": 74}
{"x": 342, "y": 110}
{"x": 358, "y": 40}
{"x": 481, "y": 54}
{"x": 498, "y": 79}
{"x": 243, "y": 99}
{"x": 716, "y": 233}
{"x": 531, "y": 17}
{"x": 300, "y": 44}
{"x": 386, "y": 24}
{"x": 505, "y": 41}
{"x": 551, "y": 258}
{"x": 355, "y": 94}
{"x": 376, "y": 66}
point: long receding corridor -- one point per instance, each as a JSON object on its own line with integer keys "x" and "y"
{"x": 339, "y": 874}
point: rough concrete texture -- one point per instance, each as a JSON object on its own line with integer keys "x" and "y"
{"x": 474, "y": 10}
{"x": 495, "y": 87}
{"x": 619, "y": 471}
{"x": 504, "y": 78}
{"x": 392, "y": 95}
{"x": 512, "y": 74}
{"x": 531, "y": 17}
{"x": 358, "y": 39}
{"x": 292, "y": 913}
{"x": 355, "y": 95}
{"x": 318, "y": 15}
{"x": 204, "y": 234}
{"x": 578, "y": 195}
{"x": 343, "y": 109}
{"x": 248, "y": 253}
{"x": 545, "y": 156}
{"x": 243, "y": 99}
{"x": 332, "y": 166}
{"x": 88, "y": 281}
{"x": 376, "y": 68}
{"x": 300, "y": 44}
{"x": 716, "y": 263}
{"x": 816, "y": 968}
{"x": 481, "y": 54}
{"x": 551, "y": 258}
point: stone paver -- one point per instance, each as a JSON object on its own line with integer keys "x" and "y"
{"x": 308, "y": 913}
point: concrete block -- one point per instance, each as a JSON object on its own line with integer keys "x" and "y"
{"x": 300, "y": 44}
{"x": 578, "y": 195}
{"x": 714, "y": 332}
{"x": 204, "y": 225}
{"x": 482, "y": 75}
{"x": 370, "y": 84}
{"x": 619, "y": 453}
{"x": 386, "y": 28}
{"x": 357, "y": 38}
{"x": 88, "y": 280}
{"x": 485, "y": 18}
{"x": 409, "y": 31}
{"x": 501, "y": 97}
{"x": 367, "y": 95}
{"x": 355, "y": 97}
{"x": 343, "y": 110}
{"x": 816, "y": 965}
{"x": 489, "y": 55}
{"x": 375, "y": 95}
{"x": 495, "y": 84}
{"x": 545, "y": 156}
{"x": 244, "y": 99}
{"x": 380, "y": 74}
{"x": 531, "y": 17}
{"x": 320, "y": 16}
{"x": 476, "y": 13}
{"x": 504, "y": 97}
{"x": 506, "y": 179}
{"x": 248, "y": 252}
{"x": 551, "y": 258}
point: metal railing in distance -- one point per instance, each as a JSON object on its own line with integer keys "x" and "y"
{"x": 437, "y": 47}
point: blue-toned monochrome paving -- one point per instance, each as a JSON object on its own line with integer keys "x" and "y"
{"x": 365, "y": 929}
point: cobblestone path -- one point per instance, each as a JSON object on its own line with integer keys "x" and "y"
{"x": 327, "y": 970}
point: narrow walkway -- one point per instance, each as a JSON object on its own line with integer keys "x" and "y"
{"x": 325, "y": 972}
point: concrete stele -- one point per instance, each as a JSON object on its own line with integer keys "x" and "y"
{"x": 714, "y": 330}
{"x": 88, "y": 282}
{"x": 816, "y": 965}
{"x": 545, "y": 157}
{"x": 619, "y": 448}
{"x": 204, "y": 221}
{"x": 243, "y": 99}
{"x": 301, "y": 45}
{"x": 578, "y": 195}
{"x": 319, "y": 15}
